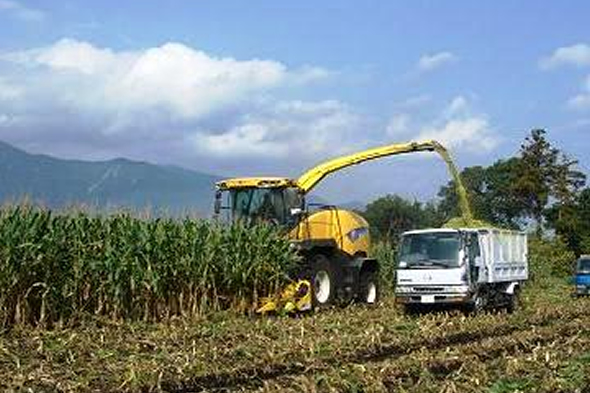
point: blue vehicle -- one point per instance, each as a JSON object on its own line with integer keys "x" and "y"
{"x": 582, "y": 277}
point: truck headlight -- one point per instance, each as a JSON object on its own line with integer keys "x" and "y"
{"x": 459, "y": 289}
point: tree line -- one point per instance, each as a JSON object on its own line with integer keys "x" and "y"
{"x": 539, "y": 189}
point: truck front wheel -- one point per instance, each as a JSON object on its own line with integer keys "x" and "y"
{"x": 477, "y": 304}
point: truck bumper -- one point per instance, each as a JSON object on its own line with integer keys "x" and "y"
{"x": 582, "y": 290}
{"x": 453, "y": 294}
{"x": 450, "y": 298}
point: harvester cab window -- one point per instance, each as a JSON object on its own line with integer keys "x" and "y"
{"x": 271, "y": 205}
{"x": 241, "y": 204}
{"x": 268, "y": 206}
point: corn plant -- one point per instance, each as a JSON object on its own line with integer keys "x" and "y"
{"x": 56, "y": 266}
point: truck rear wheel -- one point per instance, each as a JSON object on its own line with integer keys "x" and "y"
{"x": 368, "y": 288}
{"x": 514, "y": 302}
{"x": 323, "y": 281}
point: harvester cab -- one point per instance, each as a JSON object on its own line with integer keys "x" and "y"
{"x": 333, "y": 243}
{"x": 271, "y": 200}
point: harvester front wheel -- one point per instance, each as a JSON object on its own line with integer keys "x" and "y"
{"x": 323, "y": 280}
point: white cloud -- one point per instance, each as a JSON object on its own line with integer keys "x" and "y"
{"x": 433, "y": 61}
{"x": 185, "y": 82}
{"x": 170, "y": 103}
{"x": 581, "y": 101}
{"x": 246, "y": 140}
{"x": 457, "y": 106}
{"x": 71, "y": 55}
{"x": 8, "y": 91}
{"x": 456, "y": 126}
{"x": 190, "y": 82}
{"x": 286, "y": 129}
{"x": 574, "y": 55}
{"x": 398, "y": 124}
{"x": 176, "y": 104}
{"x": 20, "y": 11}
{"x": 310, "y": 74}
{"x": 472, "y": 133}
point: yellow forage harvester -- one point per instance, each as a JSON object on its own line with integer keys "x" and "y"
{"x": 295, "y": 297}
{"x": 333, "y": 243}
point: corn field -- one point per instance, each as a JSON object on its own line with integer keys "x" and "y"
{"x": 53, "y": 267}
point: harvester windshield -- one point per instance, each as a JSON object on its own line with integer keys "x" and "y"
{"x": 272, "y": 205}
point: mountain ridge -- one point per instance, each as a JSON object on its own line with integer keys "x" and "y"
{"x": 116, "y": 183}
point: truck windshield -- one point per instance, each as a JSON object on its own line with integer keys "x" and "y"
{"x": 424, "y": 250}
{"x": 584, "y": 265}
{"x": 271, "y": 205}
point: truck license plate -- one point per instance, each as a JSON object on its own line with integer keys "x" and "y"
{"x": 427, "y": 298}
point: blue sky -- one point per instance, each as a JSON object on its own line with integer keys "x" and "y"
{"x": 266, "y": 87}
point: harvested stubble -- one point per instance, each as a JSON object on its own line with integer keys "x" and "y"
{"x": 56, "y": 267}
{"x": 352, "y": 349}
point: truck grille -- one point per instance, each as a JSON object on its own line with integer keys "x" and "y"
{"x": 427, "y": 289}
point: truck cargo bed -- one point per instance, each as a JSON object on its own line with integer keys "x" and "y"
{"x": 504, "y": 255}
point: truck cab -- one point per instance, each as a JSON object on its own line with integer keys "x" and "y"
{"x": 472, "y": 268}
{"x": 582, "y": 275}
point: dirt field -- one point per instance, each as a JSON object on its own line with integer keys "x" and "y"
{"x": 544, "y": 347}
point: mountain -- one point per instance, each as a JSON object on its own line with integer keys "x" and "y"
{"x": 319, "y": 200}
{"x": 118, "y": 183}
{"x": 354, "y": 205}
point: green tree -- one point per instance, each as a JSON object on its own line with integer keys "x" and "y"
{"x": 583, "y": 217}
{"x": 491, "y": 192}
{"x": 545, "y": 174}
{"x": 391, "y": 215}
{"x": 572, "y": 222}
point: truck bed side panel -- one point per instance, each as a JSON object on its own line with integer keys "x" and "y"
{"x": 505, "y": 255}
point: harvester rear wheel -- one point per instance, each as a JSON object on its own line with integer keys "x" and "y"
{"x": 369, "y": 288}
{"x": 323, "y": 281}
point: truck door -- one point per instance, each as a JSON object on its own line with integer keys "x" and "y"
{"x": 474, "y": 256}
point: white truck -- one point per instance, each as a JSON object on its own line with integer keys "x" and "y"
{"x": 474, "y": 268}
